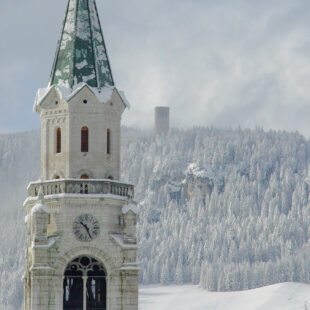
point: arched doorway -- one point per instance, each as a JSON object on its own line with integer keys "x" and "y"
{"x": 84, "y": 286}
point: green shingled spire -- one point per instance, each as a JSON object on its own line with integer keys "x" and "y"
{"x": 81, "y": 55}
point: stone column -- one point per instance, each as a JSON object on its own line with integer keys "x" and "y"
{"x": 39, "y": 291}
{"x": 130, "y": 289}
{"x": 84, "y": 292}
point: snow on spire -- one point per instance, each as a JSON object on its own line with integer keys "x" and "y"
{"x": 81, "y": 55}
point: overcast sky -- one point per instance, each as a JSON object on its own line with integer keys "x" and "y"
{"x": 215, "y": 63}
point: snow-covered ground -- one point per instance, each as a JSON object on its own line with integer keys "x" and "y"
{"x": 284, "y": 296}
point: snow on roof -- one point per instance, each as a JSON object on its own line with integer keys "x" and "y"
{"x": 92, "y": 196}
{"x": 41, "y": 268}
{"x": 123, "y": 97}
{"x": 50, "y": 243}
{"x": 130, "y": 207}
{"x": 119, "y": 240}
{"x": 39, "y": 207}
{"x": 130, "y": 268}
{"x": 103, "y": 94}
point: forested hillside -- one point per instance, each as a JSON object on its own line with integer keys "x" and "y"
{"x": 19, "y": 163}
{"x": 227, "y": 208}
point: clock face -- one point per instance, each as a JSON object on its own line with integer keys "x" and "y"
{"x": 86, "y": 227}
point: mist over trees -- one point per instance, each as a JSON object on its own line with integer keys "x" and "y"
{"x": 19, "y": 163}
{"x": 228, "y": 209}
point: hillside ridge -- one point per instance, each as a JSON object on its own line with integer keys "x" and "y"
{"x": 225, "y": 208}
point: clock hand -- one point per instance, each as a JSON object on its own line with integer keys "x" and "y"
{"x": 86, "y": 228}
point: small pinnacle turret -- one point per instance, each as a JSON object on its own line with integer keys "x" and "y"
{"x": 81, "y": 55}
{"x": 41, "y": 195}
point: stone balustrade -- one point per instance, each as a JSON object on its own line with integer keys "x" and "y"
{"x": 81, "y": 186}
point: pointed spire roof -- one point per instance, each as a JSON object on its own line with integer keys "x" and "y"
{"x": 81, "y": 55}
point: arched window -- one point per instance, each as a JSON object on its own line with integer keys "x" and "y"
{"x": 84, "y": 139}
{"x": 108, "y": 141}
{"x": 84, "y": 176}
{"x": 84, "y": 285}
{"x": 58, "y": 140}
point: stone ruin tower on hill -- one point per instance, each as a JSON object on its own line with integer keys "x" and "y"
{"x": 81, "y": 220}
{"x": 162, "y": 120}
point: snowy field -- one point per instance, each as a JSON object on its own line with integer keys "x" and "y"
{"x": 284, "y": 296}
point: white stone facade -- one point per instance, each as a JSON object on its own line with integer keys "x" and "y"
{"x": 71, "y": 115}
{"x": 51, "y": 242}
{"x": 81, "y": 249}
{"x": 53, "y": 246}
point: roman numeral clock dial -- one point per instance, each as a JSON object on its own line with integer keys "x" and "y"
{"x": 86, "y": 227}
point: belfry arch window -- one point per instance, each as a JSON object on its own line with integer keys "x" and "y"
{"x": 108, "y": 141}
{"x": 58, "y": 140}
{"x": 84, "y": 286}
{"x": 84, "y": 139}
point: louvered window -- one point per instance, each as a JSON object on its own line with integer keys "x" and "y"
{"x": 108, "y": 141}
{"x": 58, "y": 140}
{"x": 84, "y": 139}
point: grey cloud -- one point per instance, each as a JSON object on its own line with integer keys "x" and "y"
{"x": 220, "y": 63}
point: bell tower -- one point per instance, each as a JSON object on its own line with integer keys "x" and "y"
{"x": 81, "y": 220}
